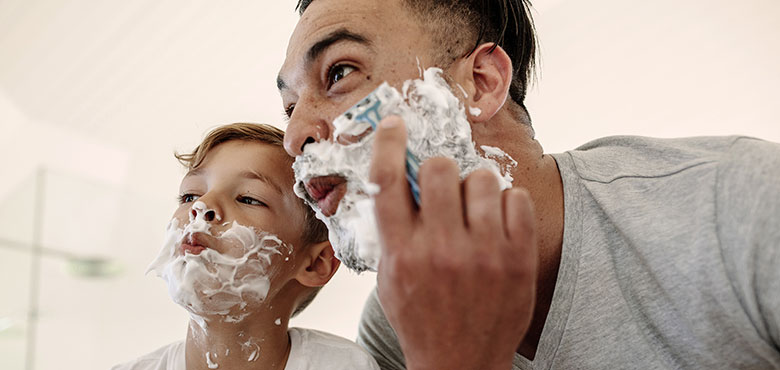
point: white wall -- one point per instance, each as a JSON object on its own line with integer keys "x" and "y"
{"x": 102, "y": 92}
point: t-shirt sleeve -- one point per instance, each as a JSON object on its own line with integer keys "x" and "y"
{"x": 377, "y": 336}
{"x": 748, "y": 218}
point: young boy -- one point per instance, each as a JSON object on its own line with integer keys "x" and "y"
{"x": 242, "y": 255}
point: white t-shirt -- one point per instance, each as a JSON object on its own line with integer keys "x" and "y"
{"x": 310, "y": 349}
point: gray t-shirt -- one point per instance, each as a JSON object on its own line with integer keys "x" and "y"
{"x": 670, "y": 260}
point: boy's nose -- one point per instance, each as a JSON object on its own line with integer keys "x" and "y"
{"x": 209, "y": 215}
{"x": 303, "y": 130}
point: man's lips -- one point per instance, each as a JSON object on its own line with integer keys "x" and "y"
{"x": 194, "y": 243}
{"x": 327, "y": 191}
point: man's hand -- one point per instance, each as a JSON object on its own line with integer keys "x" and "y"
{"x": 457, "y": 277}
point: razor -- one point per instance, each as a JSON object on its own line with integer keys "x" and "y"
{"x": 381, "y": 102}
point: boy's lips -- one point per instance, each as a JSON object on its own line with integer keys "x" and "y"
{"x": 327, "y": 191}
{"x": 195, "y": 243}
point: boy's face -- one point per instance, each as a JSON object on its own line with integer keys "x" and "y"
{"x": 246, "y": 182}
{"x": 230, "y": 245}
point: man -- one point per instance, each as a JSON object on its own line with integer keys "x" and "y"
{"x": 641, "y": 253}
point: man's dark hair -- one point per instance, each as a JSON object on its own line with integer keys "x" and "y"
{"x": 507, "y": 23}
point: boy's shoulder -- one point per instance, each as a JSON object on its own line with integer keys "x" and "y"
{"x": 167, "y": 357}
{"x": 314, "y": 349}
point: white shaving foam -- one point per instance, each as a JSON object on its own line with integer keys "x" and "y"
{"x": 437, "y": 127}
{"x": 209, "y": 362}
{"x": 251, "y": 344}
{"x": 212, "y": 284}
{"x": 503, "y": 160}
{"x": 372, "y": 189}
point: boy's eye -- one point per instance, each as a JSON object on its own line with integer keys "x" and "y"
{"x": 251, "y": 201}
{"x": 339, "y": 71}
{"x": 187, "y": 198}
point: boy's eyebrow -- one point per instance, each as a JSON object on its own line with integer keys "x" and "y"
{"x": 252, "y": 175}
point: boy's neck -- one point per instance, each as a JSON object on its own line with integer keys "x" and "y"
{"x": 257, "y": 342}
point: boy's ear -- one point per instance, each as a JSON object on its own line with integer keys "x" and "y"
{"x": 485, "y": 76}
{"x": 319, "y": 263}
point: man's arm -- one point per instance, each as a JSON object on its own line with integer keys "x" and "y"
{"x": 748, "y": 216}
{"x": 457, "y": 277}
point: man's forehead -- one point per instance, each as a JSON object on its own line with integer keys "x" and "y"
{"x": 321, "y": 19}
{"x": 372, "y": 18}
{"x": 325, "y": 16}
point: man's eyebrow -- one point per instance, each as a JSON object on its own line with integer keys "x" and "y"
{"x": 334, "y": 37}
{"x": 252, "y": 175}
{"x": 194, "y": 172}
{"x": 319, "y": 47}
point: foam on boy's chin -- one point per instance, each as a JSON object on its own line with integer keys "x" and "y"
{"x": 437, "y": 127}
{"x": 211, "y": 284}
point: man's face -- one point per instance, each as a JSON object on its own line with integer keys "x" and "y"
{"x": 339, "y": 52}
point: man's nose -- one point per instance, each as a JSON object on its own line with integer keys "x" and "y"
{"x": 304, "y": 129}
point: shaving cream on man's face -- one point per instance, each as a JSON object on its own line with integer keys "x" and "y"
{"x": 333, "y": 178}
{"x": 221, "y": 275}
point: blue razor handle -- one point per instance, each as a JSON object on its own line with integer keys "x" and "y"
{"x": 367, "y": 111}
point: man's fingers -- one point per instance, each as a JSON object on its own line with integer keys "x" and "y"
{"x": 520, "y": 227}
{"x": 483, "y": 204}
{"x": 441, "y": 207}
{"x": 519, "y": 219}
{"x": 394, "y": 208}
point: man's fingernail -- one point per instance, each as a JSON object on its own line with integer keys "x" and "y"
{"x": 388, "y": 123}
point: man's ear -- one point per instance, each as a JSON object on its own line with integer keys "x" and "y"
{"x": 318, "y": 264}
{"x": 485, "y": 75}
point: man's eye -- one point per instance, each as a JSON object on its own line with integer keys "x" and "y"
{"x": 338, "y": 72}
{"x": 188, "y": 198}
{"x": 289, "y": 110}
{"x": 251, "y": 201}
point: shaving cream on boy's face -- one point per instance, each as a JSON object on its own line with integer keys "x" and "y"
{"x": 333, "y": 178}
{"x": 212, "y": 273}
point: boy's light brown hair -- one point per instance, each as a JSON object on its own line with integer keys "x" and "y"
{"x": 314, "y": 230}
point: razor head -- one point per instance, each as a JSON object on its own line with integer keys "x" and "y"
{"x": 368, "y": 112}
{"x": 384, "y": 100}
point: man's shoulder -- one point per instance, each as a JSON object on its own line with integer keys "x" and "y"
{"x": 611, "y": 158}
{"x": 317, "y": 347}
{"x": 163, "y": 358}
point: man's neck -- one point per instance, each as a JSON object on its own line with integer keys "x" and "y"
{"x": 257, "y": 342}
{"x": 538, "y": 173}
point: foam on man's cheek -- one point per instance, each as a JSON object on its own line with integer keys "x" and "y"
{"x": 437, "y": 127}
{"x": 212, "y": 284}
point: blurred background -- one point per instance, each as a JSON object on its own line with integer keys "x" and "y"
{"x": 95, "y": 96}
